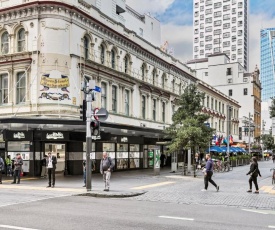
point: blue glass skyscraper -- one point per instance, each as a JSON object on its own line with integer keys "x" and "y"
{"x": 268, "y": 63}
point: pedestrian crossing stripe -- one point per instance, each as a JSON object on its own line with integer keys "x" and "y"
{"x": 268, "y": 189}
{"x": 153, "y": 185}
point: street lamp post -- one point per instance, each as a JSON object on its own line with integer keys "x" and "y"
{"x": 229, "y": 108}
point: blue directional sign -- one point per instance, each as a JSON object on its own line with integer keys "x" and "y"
{"x": 207, "y": 124}
{"x": 97, "y": 89}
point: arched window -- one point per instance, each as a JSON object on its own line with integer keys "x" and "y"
{"x": 21, "y": 40}
{"x": 86, "y": 47}
{"x": 126, "y": 61}
{"x": 5, "y": 43}
{"x": 113, "y": 59}
{"x": 102, "y": 54}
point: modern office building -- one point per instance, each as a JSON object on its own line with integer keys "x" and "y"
{"x": 268, "y": 63}
{"x": 221, "y": 26}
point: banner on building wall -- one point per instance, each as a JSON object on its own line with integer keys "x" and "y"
{"x": 55, "y": 86}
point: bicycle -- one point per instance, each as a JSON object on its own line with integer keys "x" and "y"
{"x": 273, "y": 176}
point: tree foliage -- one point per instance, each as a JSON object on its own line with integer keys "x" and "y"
{"x": 188, "y": 129}
{"x": 272, "y": 108}
{"x": 268, "y": 141}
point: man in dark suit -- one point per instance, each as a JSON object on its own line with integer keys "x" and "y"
{"x": 51, "y": 165}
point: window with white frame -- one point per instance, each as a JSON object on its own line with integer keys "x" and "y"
{"x": 226, "y": 7}
{"x": 20, "y": 87}
{"x": 233, "y": 10}
{"x": 226, "y": 16}
{"x": 217, "y": 14}
{"x": 126, "y": 102}
{"x": 209, "y": 29}
{"x": 5, "y": 43}
{"x": 240, "y": 41}
{"x": 201, "y": 43}
{"x": 234, "y": 20}
{"x": 201, "y": 34}
{"x": 240, "y": 14}
{"x": 196, "y": 22}
{"x": 163, "y": 111}
{"x": 102, "y": 54}
{"x": 202, "y": 25}
{"x": 226, "y": 25}
{"x": 234, "y": 29}
{"x": 21, "y": 40}
{"x": 226, "y": 44}
{"x": 240, "y": 23}
{"x": 202, "y": 17}
{"x": 217, "y": 23}
{"x": 233, "y": 47}
{"x": 217, "y": 50}
{"x": 226, "y": 35}
{"x": 217, "y": 5}
{"x": 208, "y": 20}
{"x": 208, "y": 11}
{"x": 154, "y": 109}
{"x": 202, "y": 8}
{"x": 114, "y": 98}
{"x": 240, "y": 32}
{"x": 103, "y": 95}
{"x": 217, "y": 41}
{"x": 208, "y": 47}
{"x": 143, "y": 106}
{"x": 208, "y": 38}
{"x": 4, "y": 88}
{"x": 217, "y": 32}
{"x": 113, "y": 59}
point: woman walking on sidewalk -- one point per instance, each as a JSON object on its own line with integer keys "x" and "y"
{"x": 254, "y": 172}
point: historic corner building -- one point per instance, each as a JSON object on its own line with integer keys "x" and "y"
{"x": 49, "y": 47}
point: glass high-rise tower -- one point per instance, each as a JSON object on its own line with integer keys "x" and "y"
{"x": 268, "y": 63}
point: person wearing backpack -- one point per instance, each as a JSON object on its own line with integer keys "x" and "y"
{"x": 254, "y": 172}
{"x": 2, "y": 167}
{"x": 106, "y": 167}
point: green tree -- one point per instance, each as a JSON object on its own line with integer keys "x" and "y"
{"x": 268, "y": 141}
{"x": 188, "y": 129}
{"x": 272, "y": 107}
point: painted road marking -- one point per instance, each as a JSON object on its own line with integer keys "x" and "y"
{"x": 268, "y": 189}
{"x": 19, "y": 187}
{"x": 256, "y": 211}
{"x": 176, "y": 218}
{"x": 153, "y": 185}
{"x": 271, "y": 226}
{"x": 15, "y": 227}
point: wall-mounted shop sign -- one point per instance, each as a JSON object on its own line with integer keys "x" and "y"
{"x": 18, "y": 135}
{"x": 55, "y": 135}
{"x": 124, "y": 139}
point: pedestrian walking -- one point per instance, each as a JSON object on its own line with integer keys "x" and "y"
{"x": 44, "y": 167}
{"x": 273, "y": 157}
{"x": 209, "y": 173}
{"x": 51, "y": 166}
{"x": 106, "y": 167}
{"x": 85, "y": 171}
{"x": 8, "y": 165}
{"x": 2, "y": 167}
{"x": 18, "y": 162}
{"x": 254, "y": 172}
{"x": 162, "y": 160}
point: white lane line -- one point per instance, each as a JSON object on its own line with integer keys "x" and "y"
{"x": 256, "y": 211}
{"x": 15, "y": 227}
{"x": 176, "y": 218}
{"x": 35, "y": 200}
{"x": 270, "y": 226}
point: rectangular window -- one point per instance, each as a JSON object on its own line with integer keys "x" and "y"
{"x": 228, "y": 71}
{"x": 208, "y": 11}
{"x": 208, "y": 38}
{"x": 126, "y": 102}
{"x": 217, "y": 32}
{"x": 208, "y": 47}
{"x": 226, "y": 17}
{"x": 223, "y": 108}
{"x": 163, "y": 111}
{"x": 212, "y": 103}
{"x": 217, "y": 23}
{"x": 226, "y": 44}
{"x": 217, "y": 14}
{"x": 154, "y": 109}
{"x": 226, "y": 25}
{"x": 217, "y": 5}
{"x": 114, "y": 98}
{"x": 208, "y": 29}
{"x": 226, "y": 35}
{"x": 103, "y": 95}
{"x": 216, "y": 105}
{"x": 207, "y": 101}
{"x": 208, "y": 20}
{"x": 3, "y": 88}
{"x": 230, "y": 92}
{"x": 21, "y": 87}
{"x": 202, "y": 25}
{"x": 143, "y": 106}
{"x": 245, "y": 91}
{"x": 219, "y": 106}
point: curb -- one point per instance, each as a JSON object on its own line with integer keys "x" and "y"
{"x": 112, "y": 194}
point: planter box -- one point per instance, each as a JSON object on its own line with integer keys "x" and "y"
{"x": 234, "y": 163}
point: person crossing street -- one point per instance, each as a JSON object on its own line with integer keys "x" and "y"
{"x": 209, "y": 173}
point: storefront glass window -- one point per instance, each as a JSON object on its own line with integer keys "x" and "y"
{"x": 18, "y": 146}
{"x": 109, "y": 147}
{"x": 122, "y": 147}
{"x": 134, "y": 147}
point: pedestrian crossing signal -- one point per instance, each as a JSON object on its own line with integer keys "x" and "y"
{"x": 95, "y": 128}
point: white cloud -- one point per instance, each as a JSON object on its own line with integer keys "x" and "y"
{"x": 152, "y": 6}
{"x": 256, "y": 23}
{"x": 180, "y": 38}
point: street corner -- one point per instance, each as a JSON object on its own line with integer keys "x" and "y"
{"x": 112, "y": 194}
{"x": 268, "y": 189}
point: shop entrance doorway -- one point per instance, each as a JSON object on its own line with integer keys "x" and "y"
{"x": 57, "y": 150}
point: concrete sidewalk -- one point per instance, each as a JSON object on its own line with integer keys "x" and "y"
{"x": 123, "y": 184}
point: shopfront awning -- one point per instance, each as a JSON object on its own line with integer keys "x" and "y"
{"x": 59, "y": 124}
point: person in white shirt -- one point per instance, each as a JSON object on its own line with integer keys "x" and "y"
{"x": 51, "y": 166}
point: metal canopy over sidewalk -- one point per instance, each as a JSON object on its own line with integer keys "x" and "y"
{"x": 75, "y": 125}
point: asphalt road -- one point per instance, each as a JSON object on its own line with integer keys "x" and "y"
{"x": 74, "y": 212}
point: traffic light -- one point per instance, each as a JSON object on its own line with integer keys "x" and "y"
{"x": 95, "y": 127}
{"x": 82, "y": 110}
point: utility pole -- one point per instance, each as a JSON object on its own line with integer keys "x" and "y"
{"x": 229, "y": 108}
{"x": 249, "y": 133}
